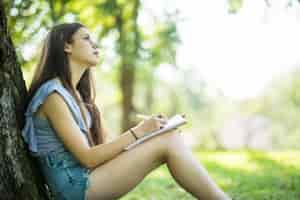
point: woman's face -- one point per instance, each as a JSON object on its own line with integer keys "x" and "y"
{"x": 82, "y": 49}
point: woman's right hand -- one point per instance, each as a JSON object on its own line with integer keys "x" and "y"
{"x": 151, "y": 124}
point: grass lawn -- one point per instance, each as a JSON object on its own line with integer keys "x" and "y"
{"x": 244, "y": 175}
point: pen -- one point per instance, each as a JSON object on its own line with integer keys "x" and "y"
{"x": 143, "y": 116}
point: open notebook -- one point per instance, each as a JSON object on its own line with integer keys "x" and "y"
{"x": 173, "y": 122}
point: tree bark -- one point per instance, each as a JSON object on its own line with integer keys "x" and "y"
{"x": 20, "y": 177}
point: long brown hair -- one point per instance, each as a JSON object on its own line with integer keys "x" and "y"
{"x": 54, "y": 63}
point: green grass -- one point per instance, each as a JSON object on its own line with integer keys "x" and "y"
{"x": 243, "y": 175}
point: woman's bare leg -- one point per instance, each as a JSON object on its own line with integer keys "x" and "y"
{"x": 120, "y": 175}
{"x": 190, "y": 174}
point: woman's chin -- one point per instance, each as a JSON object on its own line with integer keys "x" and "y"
{"x": 93, "y": 63}
{"x": 93, "y": 66}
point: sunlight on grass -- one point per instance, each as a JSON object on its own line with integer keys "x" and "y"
{"x": 231, "y": 161}
{"x": 244, "y": 175}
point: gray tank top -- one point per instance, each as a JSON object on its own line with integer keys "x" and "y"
{"x": 38, "y": 132}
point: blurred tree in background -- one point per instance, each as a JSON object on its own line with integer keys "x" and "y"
{"x": 281, "y": 104}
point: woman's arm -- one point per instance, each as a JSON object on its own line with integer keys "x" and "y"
{"x": 61, "y": 119}
{"x": 104, "y": 130}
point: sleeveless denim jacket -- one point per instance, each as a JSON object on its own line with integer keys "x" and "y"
{"x": 37, "y": 132}
{"x": 65, "y": 176}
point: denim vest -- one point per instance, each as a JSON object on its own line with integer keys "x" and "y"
{"x": 38, "y": 132}
{"x": 65, "y": 176}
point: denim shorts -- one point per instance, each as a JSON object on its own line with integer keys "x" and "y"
{"x": 66, "y": 178}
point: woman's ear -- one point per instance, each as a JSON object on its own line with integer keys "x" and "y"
{"x": 68, "y": 48}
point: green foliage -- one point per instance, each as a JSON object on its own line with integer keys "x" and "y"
{"x": 243, "y": 175}
{"x": 281, "y": 104}
{"x": 234, "y": 5}
{"x": 25, "y": 19}
{"x": 160, "y": 45}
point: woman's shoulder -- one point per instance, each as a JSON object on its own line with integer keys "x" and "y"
{"x": 44, "y": 90}
{"x": 48, "y": 85}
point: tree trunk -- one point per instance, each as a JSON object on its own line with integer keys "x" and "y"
{"x": 149, "y": 92}
{"x": 128, "y": 50}
{"x": 20, "y": 177}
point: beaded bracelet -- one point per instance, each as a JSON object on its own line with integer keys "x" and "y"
{"x": 134, "y": 135}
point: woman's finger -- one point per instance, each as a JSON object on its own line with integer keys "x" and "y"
{"x": 161, "y": 116}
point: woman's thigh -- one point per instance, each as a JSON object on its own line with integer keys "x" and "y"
{"x": 118, "y": 176}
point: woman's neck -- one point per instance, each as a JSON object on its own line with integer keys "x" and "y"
{"x": 77, "y": 71}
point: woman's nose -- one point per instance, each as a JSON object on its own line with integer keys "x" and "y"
{"x": 94, "y": 45}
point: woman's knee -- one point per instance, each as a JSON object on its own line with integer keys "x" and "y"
{"x": 174, "y": 140}
{"x": 162, "y": 143}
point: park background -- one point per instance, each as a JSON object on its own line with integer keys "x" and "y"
{"x": 232, "y": 66}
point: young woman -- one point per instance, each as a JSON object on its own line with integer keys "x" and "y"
{"x": 63, "y": 130}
